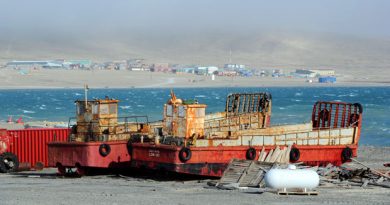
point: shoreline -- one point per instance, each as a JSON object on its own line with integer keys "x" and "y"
{"x": 101, "y": 79}
{"x": 345, "y": 85}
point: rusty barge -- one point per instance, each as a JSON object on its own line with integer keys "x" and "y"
{"x": 98, "y": 139}
{"x": 191, "y": 142}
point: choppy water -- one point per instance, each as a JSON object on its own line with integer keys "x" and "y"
{"x": 290, "y": 105}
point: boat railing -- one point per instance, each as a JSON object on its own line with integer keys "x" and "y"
{"x": 241, "y": 121}
{"x": 110, "y": 124}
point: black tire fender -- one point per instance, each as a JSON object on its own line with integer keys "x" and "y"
{"x": 359, "y": 106}
{"x": 74, "y": 129}
{"x": 104, "y": 150}
{"x": 295, "y": 154}
{"x": 9, "y": 162}
{"x": 185, "y": 154}
{"x": 324, "y": 115}
{"x": 250, "y": 153}
{"x": 3, "y": 169}
{"x": 346, "y": 154}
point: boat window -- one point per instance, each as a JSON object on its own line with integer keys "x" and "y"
{"x": 169, "y": 110}
{"x": 112, "y": 108}
{"x": 182, "y": 111}
{"x": 80, "y": 108}
{"x": 104, "y": 109}
{"x": 200, "y": 112}
{"x": 95, "y": 109}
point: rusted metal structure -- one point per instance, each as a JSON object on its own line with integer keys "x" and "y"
{"x": 98, "y": 139}
{"x": 191, "y": 142}
{"x": 27, "y": 148}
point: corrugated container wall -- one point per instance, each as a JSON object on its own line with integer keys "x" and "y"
{"x": 327, "y": 79}
{"x": 30, "y": 145}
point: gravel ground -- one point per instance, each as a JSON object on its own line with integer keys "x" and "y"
{"x": 44, "y": 187}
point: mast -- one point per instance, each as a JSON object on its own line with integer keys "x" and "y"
{"x": 86, "y": 95}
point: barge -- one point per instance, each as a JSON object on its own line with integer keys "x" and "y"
{"x": 191, "y": 142}
{"x": 98, "y": 139}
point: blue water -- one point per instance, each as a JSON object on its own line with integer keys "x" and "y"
{"x": 290, "y": 105}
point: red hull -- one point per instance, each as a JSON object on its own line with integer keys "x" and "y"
{"x": 86, "y": 154}
{"x": 212, "y": 161}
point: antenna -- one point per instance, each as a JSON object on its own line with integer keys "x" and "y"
{"x": 86, "y": 95}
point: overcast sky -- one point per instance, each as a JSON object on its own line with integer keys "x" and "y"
{"x": 365, "y": 18}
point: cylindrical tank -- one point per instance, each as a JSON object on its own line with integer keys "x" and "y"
{"x": 292, "y": 178}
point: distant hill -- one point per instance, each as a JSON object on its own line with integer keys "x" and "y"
{"x": 268, "y": 49}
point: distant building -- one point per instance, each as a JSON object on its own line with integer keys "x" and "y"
{"x": 324, "y": 72}
{"x": 161, "y": 67}
{"x": 234, "y": 66}
{"x": 185, "y": 70}
{"x": 327, "y": 79}
{"x": 137, "y": 65}
{"x": 312, "y": 73}
{"x": 80, "y": 63}
{"x": 303, "y": 73}
{"x": 28, "y": 64}
{"x": 206, "y": 70}
{"x": 59, "y": 63}
{"x": 277, "y": 73}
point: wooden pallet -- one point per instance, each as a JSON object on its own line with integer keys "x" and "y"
{"x": 245, "y": 173}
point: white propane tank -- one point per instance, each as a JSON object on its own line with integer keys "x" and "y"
{"x": 292, "y": 178}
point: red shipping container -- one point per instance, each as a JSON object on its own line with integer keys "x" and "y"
{"x": 30, "y": 145}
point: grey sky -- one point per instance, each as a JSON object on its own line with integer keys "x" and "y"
{"x": 357, "y": 17}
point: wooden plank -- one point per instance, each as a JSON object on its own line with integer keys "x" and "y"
{"x": 373, "y": 170}
{"x": 267, "y": 159}
{"x": 286, "y": 159}
{"x": 261, "y": 154}
{"x": 264, "y": 156}
{"x": 275, "y": 155}
{"x": 281, "y": 156}
{"x": 245, "y": 173}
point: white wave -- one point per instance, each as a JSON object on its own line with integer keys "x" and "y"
{"x": 28, "y": 111}
{"x": 282, "y": 108}
{"x": 125, "y": 107}
{"x": 200, "y": 96}
{"x": 78, "y": 94}
{"x": 140, "y": 105}
{"x": 353, "y": 94}
{"x": 59, "y": 108}
{"x": 42, "y": 107}
{"x": 298, "y": 94}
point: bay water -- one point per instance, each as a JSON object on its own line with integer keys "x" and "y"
{"x": 290, "y": 105}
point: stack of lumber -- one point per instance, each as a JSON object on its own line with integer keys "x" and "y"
{"x": 276, "y": 155}
{"x": 244, "y": 173}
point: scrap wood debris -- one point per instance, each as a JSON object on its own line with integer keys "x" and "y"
{"x": 354, "y": 174}
{"x": 242, "y": 174}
